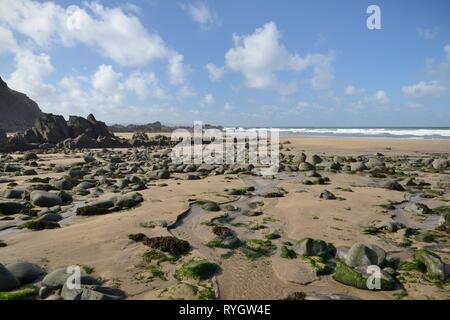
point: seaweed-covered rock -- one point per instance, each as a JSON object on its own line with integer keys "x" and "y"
{"x": 197, "y": 269}
{"x": 164, "y": 243}
{"x": 95, "y": 208}
{"x": 226, "y": 238}
{"x": 41, "y": 224}
{"x": 25, "y": 293}
{"x": 275, "y": 193}
{"x": 392, "y": 185}
{"x": 358, "y": 277}
{"x": 435, "y": 266}
{"x": 211, "y": 206}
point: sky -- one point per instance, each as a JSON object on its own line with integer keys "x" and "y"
{"x": 285, "y": 63}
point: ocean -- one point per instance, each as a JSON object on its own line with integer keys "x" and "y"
{"x": 366, "y": 132}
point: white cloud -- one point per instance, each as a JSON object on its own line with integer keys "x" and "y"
{"x": 145, "y": 85}
{"x": 106, "y": 79}
{"x": 447, "y": 51}
{"x": 381, "y": 98}
{"x": 186, "y": 92}
{"x": 113, "y": 32}
{"x": 177, "y": 70}
{"x": 439, "y": 68}
{"x": 424, "y": 88}
{"x": 208, "y": 100}
{"x": 427, "y": 34}
{"x": 302, "y": 105}
{"x": 351, "y": 90}
{"x": 215, "y": 73}
{"x": 259, "y": 56}
{"x": 30, "y": 73}
{"x": 228, "y": 107}
{"x": 200, "y": 12}
{"x": 7, "y": 41}
{"x": 365, "y": 99}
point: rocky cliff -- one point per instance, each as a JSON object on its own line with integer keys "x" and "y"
{"x": 17, "y": 111}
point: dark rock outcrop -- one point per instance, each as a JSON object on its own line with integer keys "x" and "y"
{"x": 17, "y": 111}
{"x": 54, "y": 130}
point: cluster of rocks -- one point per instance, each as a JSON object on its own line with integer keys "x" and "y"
{"x": 27, "y": 281}
{"x": 54, "y": 130}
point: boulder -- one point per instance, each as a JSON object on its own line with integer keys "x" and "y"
{"x": 128, "y": 200}
{"x": 361, "y": 255}
{"x": 64, "y": 183}
{"x": 315, "y": 159}
{"x": 358, "y": 277}
{"x": 327, "y": 195}
{"x": 58, "y": 278}
{"x": 311, "y": 247}
{"x": 52, "y": 128}
{"x": 10, "y": 207}
{"x": 8, "y": 281}
{"x": 16, "y": 194}
{"x": 392, "y": 185}
{"x": 374, "y": 163}
{"x": 440, "y": 164}
{"x": 357, "y": 166}
{"x": 45, "y": 199}
{"x": 306, "y": 166}
{"x": 25, "y": 272}
{"x": 435, "y": 266}
{"x": 30, "y": 156}
{"x": 418, "y": 208}
{"x": 164, "y": 243}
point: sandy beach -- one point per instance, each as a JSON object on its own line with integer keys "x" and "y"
{"x": 102, "y": 242}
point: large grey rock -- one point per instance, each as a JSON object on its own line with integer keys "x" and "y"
{"x": 418, "y": 208}
{"x": 357, "y": 166}
{"x": 25, "y": 272}
{"x": 311, "y": 247}
{"x": 440, "y": 164}
{"x": 306, "y": 166}
{"x": 327, "y": 195}
{"x": 361, "y": 255}
{"x": 58, "y": 278}
{"x": 374, "y": 163}
{"x": 64, "y": 183}
{"x": 8, "y": 281}
{"x": 435, "y": 266}
{"x": 15, "y": 194}
{"x": 45, "y": 199}
{"x": 128, "y": 200}
{"x": 11, "y": 207}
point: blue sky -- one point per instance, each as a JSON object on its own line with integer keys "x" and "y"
{"x": 248, "y": 63}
